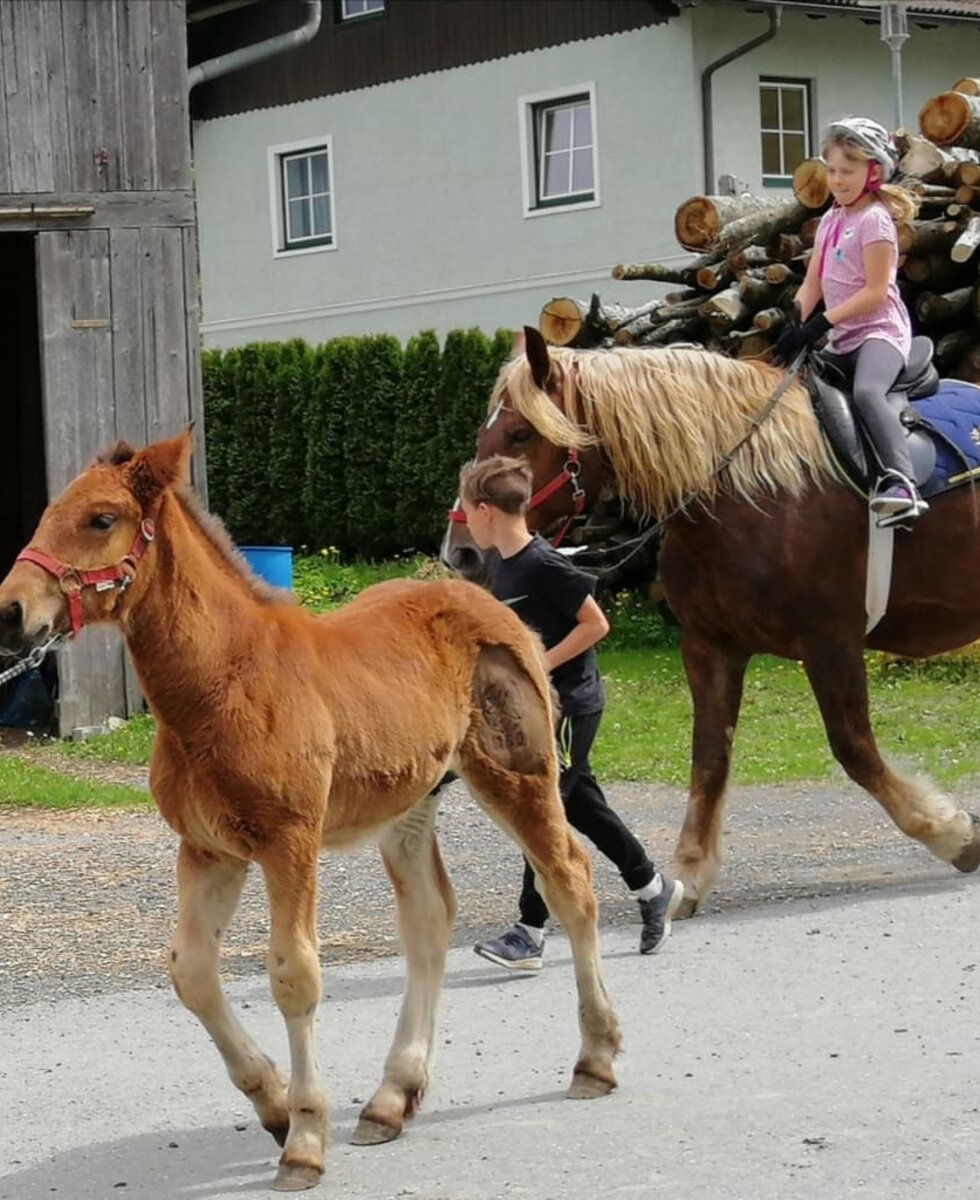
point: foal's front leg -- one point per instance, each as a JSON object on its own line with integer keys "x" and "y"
{"x": 426, "y": 911}
{"x": 290, "y": 869}
{"x": 208, "y": 891}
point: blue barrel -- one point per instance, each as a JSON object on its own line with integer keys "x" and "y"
{"x": 274, "y": 564}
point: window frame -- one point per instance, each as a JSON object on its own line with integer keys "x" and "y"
{"x": 805, "y": 87}
{"x": 277, "y": 157}
{"x": 530, "y": 110}
{"x": 343, "y": 18}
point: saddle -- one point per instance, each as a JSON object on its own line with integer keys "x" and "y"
{"x": 849, "y": 443}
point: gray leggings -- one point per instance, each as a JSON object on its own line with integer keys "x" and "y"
{"x": 875, "y": 366}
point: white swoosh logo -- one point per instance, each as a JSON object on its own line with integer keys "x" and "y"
{"x": 514, "y": 599}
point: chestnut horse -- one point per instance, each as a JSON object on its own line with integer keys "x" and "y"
{"x": 762, "y": 554}
{"x": 279, "y": 734}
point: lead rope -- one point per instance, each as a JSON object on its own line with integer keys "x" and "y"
{"x": 34, "y": 659}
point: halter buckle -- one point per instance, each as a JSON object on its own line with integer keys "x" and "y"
{"x": 70, "y": 582}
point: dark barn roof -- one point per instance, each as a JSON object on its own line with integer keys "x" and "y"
{"x": 412, "y": 37}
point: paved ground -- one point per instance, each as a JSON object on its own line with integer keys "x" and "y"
{"x": 815, "y": 1034}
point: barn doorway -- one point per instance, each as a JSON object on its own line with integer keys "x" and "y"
{"x": 28, "y": 701}
{"x": 23, "y": 491}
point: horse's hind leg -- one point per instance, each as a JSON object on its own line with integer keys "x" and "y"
{"x": 839, "y": 681}
{"x": 426, "y": 912}
{"x": 208, "y": 891}
{"x": 714, "y": 675}
{"x": 509, "y": 762}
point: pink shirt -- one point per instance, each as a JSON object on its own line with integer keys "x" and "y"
{"x": 845, "y": 234}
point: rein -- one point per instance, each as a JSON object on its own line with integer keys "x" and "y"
{"x": 72, "y": 580}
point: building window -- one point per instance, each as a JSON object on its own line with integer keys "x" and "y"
{"x": 352, "y": 10}
{"x": 784, "y": 123}
{"x": 302, "y": 196}
{"x": 558, "y": 134}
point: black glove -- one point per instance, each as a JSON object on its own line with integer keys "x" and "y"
{"x": 799, "y": 337}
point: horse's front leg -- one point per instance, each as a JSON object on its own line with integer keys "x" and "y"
{"x": 208, "y": 891}
{"x": 426, "y": 911}
{"x": 715, "y": 674}
{"x": 290, "y": 870}
{"x": 839, "y": 680}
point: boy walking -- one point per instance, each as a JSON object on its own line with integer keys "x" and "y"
{"x": 555, "y": 599}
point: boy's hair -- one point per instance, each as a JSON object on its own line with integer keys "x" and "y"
{"x": 503, "y": 482}
{"x": 900, "y": 202}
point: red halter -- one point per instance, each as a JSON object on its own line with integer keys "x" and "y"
{"x": 568, "y": 474}
{"x": 73, "y": 580}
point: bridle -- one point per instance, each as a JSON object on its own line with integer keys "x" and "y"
{"x": 567, "y": 475}
{"x": 72, "y": 580}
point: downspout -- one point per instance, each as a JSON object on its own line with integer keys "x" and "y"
{"x": 707, "y": 112}
{"x": 234, "y": 60}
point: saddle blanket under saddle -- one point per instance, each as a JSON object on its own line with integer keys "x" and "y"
{"x": 951, "y": 416}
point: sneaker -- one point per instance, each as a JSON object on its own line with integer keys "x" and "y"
{"x": 895, "y": 498}
{"x": 513, "y": 950}
{"x": 909, "y": 512}
{"x": 656, "y": 915}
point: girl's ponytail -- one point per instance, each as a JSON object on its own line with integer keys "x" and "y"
{"x": 899, "y": 201}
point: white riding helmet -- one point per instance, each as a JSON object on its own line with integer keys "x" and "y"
{"x": 871, "y": 137}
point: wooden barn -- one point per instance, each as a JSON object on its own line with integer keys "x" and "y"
{"x": 98, "y": 309}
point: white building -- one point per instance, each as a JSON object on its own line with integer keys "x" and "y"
{"x": 450, "y": 163}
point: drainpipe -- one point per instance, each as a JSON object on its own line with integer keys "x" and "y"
{"x": 247, "y": 55}
{"x": 707, "y": 113}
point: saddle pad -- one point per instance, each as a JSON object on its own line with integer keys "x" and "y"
{"x": 952, "y": 417}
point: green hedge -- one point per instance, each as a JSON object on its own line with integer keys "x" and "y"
{"x": 355, "y": 444}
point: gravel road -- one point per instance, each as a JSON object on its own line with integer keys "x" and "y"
{"x": 87, "y": 898}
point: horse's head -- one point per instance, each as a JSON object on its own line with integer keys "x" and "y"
{"x": 566, "y": 478}
{"x": 88, "y": 546}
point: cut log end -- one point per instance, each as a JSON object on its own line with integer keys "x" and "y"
{"x": 561, "y": 320}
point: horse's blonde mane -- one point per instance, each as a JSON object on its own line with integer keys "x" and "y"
{"x": 666, "y": 418}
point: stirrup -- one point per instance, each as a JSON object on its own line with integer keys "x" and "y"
{"x": 914, "y": 510}
{"x": 886, "y": 506}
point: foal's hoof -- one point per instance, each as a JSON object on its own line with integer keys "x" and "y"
{"x": 688, "y": 906}
{"x": 968, "y": 858}
{"x": 588, "y": 1087}
{"x": 373, "y": 1133}
{"x": 290, "y": 1178}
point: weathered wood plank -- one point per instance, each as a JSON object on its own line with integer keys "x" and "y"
{"x": 56, "y": 86}
{"x": 84, "y": 117}
{"x": 138, "y": 147}
{"x": 17, "y": 97}
{"x": 168, "y": 54}
{"x": 114, "y": 210}
{"x": 79, "y": 407}
{"x": 109, "y": 138}
{"x": 125, "y": 264}
{"x": 6, "y": 38}
{"x": 164, "y": 333}
{"x": 195, "y": 385}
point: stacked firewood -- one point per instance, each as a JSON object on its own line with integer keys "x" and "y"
{"x": 738, "y": 293}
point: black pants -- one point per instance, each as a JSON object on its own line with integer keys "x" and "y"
{"x": 588, "y": 811}
{"x": 875, "y": 366}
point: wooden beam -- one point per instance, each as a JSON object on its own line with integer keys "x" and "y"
{"x": 96, "y": 210}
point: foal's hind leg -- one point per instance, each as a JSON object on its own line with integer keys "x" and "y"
{"x": 839, "y": 681}
{"x": 208, "y": 891}
{"x": 715, "y": 675}
{"x": 510, "y": 764}
{"x": 426, "y": 911}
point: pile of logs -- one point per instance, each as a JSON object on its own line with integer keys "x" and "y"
{"x": 737, "y": 293}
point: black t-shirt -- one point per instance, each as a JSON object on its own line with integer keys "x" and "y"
{"x": 546, "y": 592}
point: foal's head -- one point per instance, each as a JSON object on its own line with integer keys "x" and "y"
{"x": 87, "y": 546}
{"x": 576, "y": 475}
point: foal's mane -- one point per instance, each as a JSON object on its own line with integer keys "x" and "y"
{"x": 666, "y": 418}
{"x": 211, "y": 527}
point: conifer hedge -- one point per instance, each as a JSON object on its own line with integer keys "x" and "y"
{"x": 355, "y": 444}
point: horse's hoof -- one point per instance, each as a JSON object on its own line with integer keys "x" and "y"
{"x": 279, "y": 1132}
{"x": 290, "y": 1178}
{"x": 587, "y": 1087}
{"x": 968, "y": 858}
{"x": 373, "y": 1133}
{"x": 687, "y": 907}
